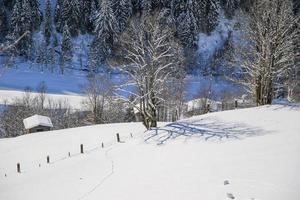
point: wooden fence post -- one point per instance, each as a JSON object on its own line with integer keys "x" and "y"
{"x": 235, "y": 103}
{"x": 208, "y": 108}
{"x": 48, "y": 159}
{"x": 18, "y": 168}
{"x": 81, "y": 148}
{"x": 118, "y": 137}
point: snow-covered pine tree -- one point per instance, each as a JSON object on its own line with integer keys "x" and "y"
{"x": 123, "y": 11}
{"x": 58, "y": 15}
{"x": 146, "y": 6}
{"x": 71, "y": 15}
{"x": 229, "y": 7}
{"x": 209, "y": 15}
{"x": 44, "y": 55}
{"x": 187, "y": 29}
{"x": 3, "y": 22}
{"x": 177, "y": 7}
{"x": 136, "y": 6}
{"x": 86, "y": 10}
{"x": 66, "y": 49}
{"x": 21, "y": 22}
{"x": 105, "y": 34}
{"x": 93, "y": 14}
{"x": 48, "y": 22}
{"x": 36, "y": 14}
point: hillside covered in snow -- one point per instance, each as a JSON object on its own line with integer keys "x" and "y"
{"x": 250, "y": 154}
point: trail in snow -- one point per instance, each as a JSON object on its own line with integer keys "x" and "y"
{"x": 104, "y": 179}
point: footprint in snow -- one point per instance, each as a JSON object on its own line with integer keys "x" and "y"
{"x": 226, "y": 182}
{"x": 230, "y": 196}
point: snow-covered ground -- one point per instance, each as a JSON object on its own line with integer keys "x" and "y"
{"x": 74, "y": 101}
{"x": 26, "y": 77}
{"x": 257, "y": 150}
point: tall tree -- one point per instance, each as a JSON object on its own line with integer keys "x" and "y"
{"x": 209, "y": 15}
{"x": 36, "y": 14}
{"x": 123, "y": 12}
{"x": 105, "y": 35}
{"x": 58, "y": 15}
{"x": 71, "y": 15}
{"x": 187, "y": 28}
{"x": 48, "y": 22}
{"x": 152, "y": 58}
{"x": 86, "y": 12}
{"x": 21, "y": 22}
{"x": 66, "y": 49}
{"x": 4, "y": 27}
{"x": 229, "y": 7}
{"x": 268, "y": 55}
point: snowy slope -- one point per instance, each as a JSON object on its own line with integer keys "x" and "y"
{"x": 257, "y": 150}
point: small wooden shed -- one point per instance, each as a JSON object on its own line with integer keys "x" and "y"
{"x": 37, "y": 123}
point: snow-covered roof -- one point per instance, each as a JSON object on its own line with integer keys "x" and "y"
{"x": 198, "y": 103}
{"x": 37, "y": 120}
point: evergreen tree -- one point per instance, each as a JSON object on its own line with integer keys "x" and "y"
{"x": 123, "y": 11}
{"x": 66, "y": 48}
{"x": 177, "y": 7}
{"x": 22, "y": 22}
{"x": 105, "y": 34}
{"x": 147, "y": 6}
{"x": 229, "y": 7}
{"x": 71, "y": 15}
{"x": 36, "y": 14}
{"x": 93, "y": 14}
{"x": 44, "y": 55}
{"x": 187, "y": 29}
{"x": 86, "y": 11}
{"x": 48, "y": 22}
{"x": 58, "y": 16}
{"x": 209, "y": 15}
{"x": 3, "y": 22}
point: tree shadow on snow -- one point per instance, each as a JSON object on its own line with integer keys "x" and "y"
{"x": 204, "y": 129}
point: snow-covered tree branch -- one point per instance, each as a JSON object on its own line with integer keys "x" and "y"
{"x": 152, "y": 58}
{"x": 268, "y": 55}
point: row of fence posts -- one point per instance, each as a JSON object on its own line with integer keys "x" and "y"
{"x": 69, "y": 154}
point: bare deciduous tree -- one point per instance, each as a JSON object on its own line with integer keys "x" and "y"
{"x": 99, "y": 90}
{"x": 60, "y": 112}
{"x": 268, "y": 54}
{"x": 152, "y": 58}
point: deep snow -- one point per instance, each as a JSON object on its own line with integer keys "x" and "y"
{"x": 257, "y": 150}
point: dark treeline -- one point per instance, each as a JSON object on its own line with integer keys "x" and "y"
{"x": 106, "y": 20}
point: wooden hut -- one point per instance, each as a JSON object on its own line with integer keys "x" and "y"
{"x": 37, "y": 123}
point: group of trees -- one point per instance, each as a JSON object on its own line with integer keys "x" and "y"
{"x": 61, "y": 113}
{"x": 106, "y": 20}
{"x": 269, "y": 63}
{"x": 151, "y": 42}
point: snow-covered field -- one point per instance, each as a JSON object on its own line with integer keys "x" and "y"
{"x": 257, "y": 150}
{"x": 74, "y": 101}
